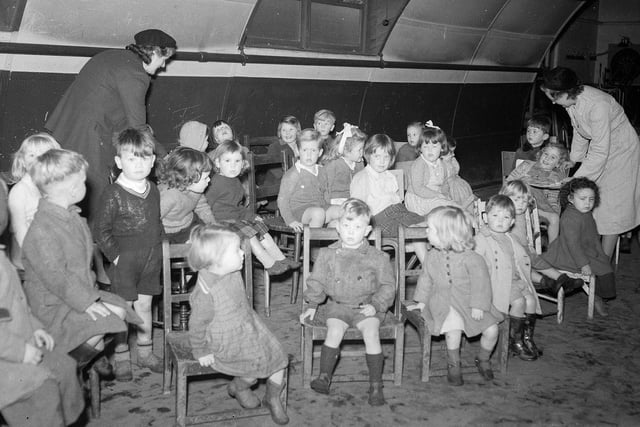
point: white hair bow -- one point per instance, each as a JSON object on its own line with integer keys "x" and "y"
{"x": 345, "y": 133}
{"x": 430, "y": 124}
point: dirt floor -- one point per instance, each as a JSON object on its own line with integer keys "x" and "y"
{"x": 589, "y": 375}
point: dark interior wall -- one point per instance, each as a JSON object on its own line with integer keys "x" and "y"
{"x": 484, "y": 118}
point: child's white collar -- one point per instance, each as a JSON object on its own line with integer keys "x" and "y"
{"x": 312, "y": 170}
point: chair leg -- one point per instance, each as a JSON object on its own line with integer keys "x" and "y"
{"x": 307, "y": 360}
{"x": 560, "y": 305}
{"x": 267, "y": 294}
{"x": 503, "y": 345}
{"x": 425, "y": 338}
{"x": 168, "y": 371}
{"x": 284, "y": 394}
{"x": 94, "y": 386}
{"x": 398, "y": 358}
{"x": 181, "y": 399}
{"x": 592, "y": 297}
{"x": 295, "y": 280}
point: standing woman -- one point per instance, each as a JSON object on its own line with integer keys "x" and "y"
{"x": 608, "y": 147}
{"x": 108, "y": 96}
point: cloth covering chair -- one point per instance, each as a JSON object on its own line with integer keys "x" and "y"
{"x": 415, "y": 317}
{"x": 178, "y": 358}
{"x": 391, "y": 329}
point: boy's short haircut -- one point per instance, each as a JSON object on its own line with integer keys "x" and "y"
{"x": 500, "y": 201}
{"x": 540, "y": 122}
{"x": 140, "y": 141}
{"x": 54, "y": 166}
{"x": 380, "y": 140}
{"x": 355, "y": 208}
{"x": 309, "y": 134}
{"x": 324, "y": 114}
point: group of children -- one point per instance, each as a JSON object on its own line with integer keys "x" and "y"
{"x": 470, "y": 279}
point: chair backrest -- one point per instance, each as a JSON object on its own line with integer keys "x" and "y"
{"x": 480, "y": 213}
{"x": 534, "y": 237}
{"x": 405, "y": 167}
{"x": 264, "y": 162}
{"x": 405, "y": 271}
{"x": 326, "y": 235}
{"x": 258, "y": 144}
{"x": 508, "y": 162}
{"x": 174, "y": 260}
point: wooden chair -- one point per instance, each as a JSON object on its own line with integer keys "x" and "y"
{"x": 178, "y": 358}
{"x": 391, "y": 329}
{"x": 533, "y": 236}
{"x": 508, "y": 162}
{"x": 289, "y": 241}
{"x": 415, "y": 317}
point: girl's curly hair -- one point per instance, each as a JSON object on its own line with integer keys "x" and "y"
{"x": 577, "y": 184}
{"x": 182, "y": 167}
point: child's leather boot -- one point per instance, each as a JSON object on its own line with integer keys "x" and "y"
{"x": 516, "y": 344}
{"x": 483, "y": 363}
{"x": 375, "y": 363}
{"x": 527, "y": 337}
{"x": 240, "y": 390}
{"x": 274, "y": 403}
{"x": 328, "y": 360}
{"x": 122, "y": 364}
{"x": 146, "y": 358}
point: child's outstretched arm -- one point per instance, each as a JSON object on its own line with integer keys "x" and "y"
{"x": 288, "y": 186}
{"x": 103, "y": 225}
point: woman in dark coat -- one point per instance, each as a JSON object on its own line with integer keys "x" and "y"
{"x": 107, "y": 97}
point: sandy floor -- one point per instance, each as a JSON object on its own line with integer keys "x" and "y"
{"x": 589, "y": 375}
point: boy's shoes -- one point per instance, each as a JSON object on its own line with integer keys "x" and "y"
{"x": 376, "y": 398}
{"x": 151, "y": 361}
{"x": 321, "y": 384}
{"x": 279, "y": 267}
{"x": 484, "y": 367}
{"x": 568, "y": 284}
{"x": 122, "y": 367}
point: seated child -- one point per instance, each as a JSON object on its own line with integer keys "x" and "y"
{"x": 544, "y": 178}
{"x": 538, "y": 128}
{"x": 379, "y": 189}
{"x": 510, "y": 270}
{"x": 343, "y": 163}
{"x": 301, "y": 198}
{"x": 194, "y": 134}
{"x": 288, "y": 130}
{"x": 455, "y": 286}
{"x": 24, "y": 195}
{"x": 129, "y": 232}
{"x": 226, "y": 197}
{"x": 428, "y": 186}
{"x": 182, "y": 178}
{"x": 410, "y": 151}
{"x": 39, "y": 384}
{"x": 358, "y": 284}
{"x": 459, "y": 189}
{"x": 57, "y": 254}
{"x": 225, "y": 332}
{"x": 578, "y": 248}
{"x": 547, "y": 279}
{"x": 324, "y": 122}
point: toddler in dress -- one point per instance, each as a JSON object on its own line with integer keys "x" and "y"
{"x": 225, "y": 333}
{"x": 455, "y": 287}
{"x": 343, "y": 163}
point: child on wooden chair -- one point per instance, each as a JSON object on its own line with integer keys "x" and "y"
{"x": 344, "y": 162}
{"x": 456, "y": 287}
{"x": 510, "y": 269}
{"x": 57, "y": 254}
{"x": 301, "y": 198}
{"x": 358, "y": 282}
{"x": 225, "y": 333}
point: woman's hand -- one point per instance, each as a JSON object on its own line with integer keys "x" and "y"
{"x": 206, "y": 361}
{"x": 417, "y": 306}
{"x": 43, "y": 339}
{"x": 97, "y": 309}
{"x": 297, "y": 226}
{"x": 309, "y": 312}
{"x": 368, "y": 310}
{"x": 477, "y": 314}
{"x": 32, "y": 354}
